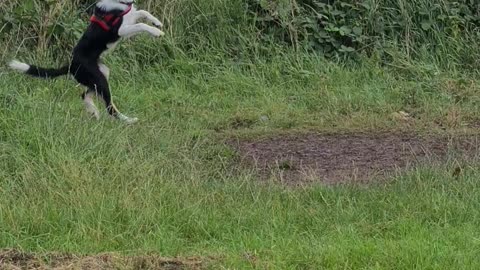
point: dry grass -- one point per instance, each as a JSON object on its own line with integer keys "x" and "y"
{"x": 15, "y": 260}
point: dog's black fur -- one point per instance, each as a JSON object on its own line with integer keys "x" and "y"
{"x": 85, "y": 60}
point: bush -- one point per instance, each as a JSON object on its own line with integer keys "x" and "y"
{"x": 342, "y": 27}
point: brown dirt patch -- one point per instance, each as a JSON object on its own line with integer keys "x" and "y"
{"x": 16, "y": 260}
{"x": 334, "y": 158}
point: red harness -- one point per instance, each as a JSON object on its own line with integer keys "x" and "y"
{"x": 109, "y": 20}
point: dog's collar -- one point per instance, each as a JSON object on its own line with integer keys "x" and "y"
{"x": 109, "y": 20}
{"x": 127, "y": 10}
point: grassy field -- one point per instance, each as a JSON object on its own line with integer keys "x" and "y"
{"x": 169, "y": 184}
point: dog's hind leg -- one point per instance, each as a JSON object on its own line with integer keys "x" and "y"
{"x": 89, "y": 104}
{"x": 104, "y": 70}
{"x": 103, "y": 90}
{"x": 96, "y": 80}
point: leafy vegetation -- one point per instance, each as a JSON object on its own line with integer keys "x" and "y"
{"x": 434, "y": 31}
{"x": 333, "y": 27}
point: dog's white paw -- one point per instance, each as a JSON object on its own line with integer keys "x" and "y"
{"x": 131, "y": 120}
{"x": 91, "y": 109}
{"x": 126, "y": 119}
{"x": 95, "y": 114}
{"x": 157, "y": 32}
{"x": 158, "y": 24}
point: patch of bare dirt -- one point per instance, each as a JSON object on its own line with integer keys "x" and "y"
{"x": 16, "y": 260}
{"x": 333, "y": 158}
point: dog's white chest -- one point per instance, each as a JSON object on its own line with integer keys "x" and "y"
{"x": 129, "y": 18}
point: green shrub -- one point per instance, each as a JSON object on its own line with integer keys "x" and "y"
{"x": 332, "y": 27}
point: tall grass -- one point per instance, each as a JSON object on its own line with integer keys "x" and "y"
{"x": 397, "y": 32}
{"x": 51, "y": 28}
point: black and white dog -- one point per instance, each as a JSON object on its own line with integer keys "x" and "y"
{"x": 111, "y": 21}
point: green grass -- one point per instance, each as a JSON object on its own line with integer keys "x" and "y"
{"x": 167, "y": 184}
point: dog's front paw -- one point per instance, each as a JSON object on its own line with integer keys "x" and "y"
{"x": 158, "y": 24}
{"x": 157, "y": 32}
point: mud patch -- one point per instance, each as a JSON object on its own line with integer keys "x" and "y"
{"x": 16, "y": 260}
{"x": 333, "y": 158}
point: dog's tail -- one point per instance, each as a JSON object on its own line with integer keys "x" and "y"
{"x": 38, "y": 71}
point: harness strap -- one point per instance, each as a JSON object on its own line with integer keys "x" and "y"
{"x": 100, "y": 23}
{"x": 126, "y": 11}
{"x": 104, "y": 22}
